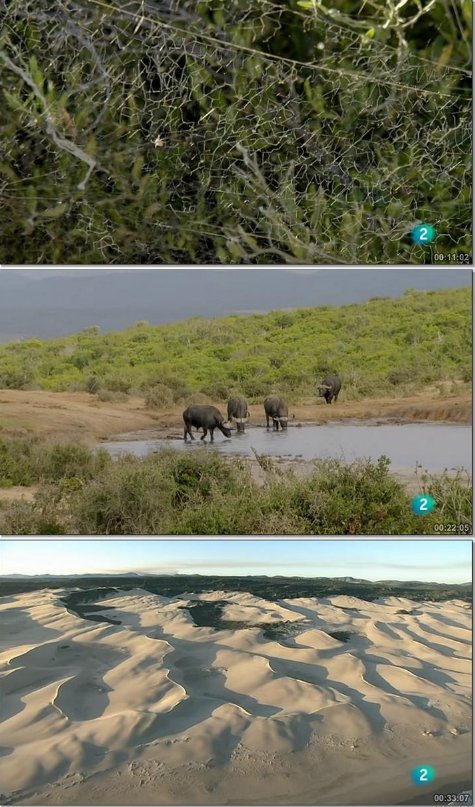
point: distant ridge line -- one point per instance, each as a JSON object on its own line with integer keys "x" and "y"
{"x": 139, "y": 576}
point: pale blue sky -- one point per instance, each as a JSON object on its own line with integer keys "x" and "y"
{"x": 438, "y": 561}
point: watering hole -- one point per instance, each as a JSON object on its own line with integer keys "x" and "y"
{"x": 432, "y": 446}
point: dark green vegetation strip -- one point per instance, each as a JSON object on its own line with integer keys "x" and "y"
{"x": 273, "y": 589}
{"x": 380, "y": 347}
{"x": 210, "y": 615}
{"x": 89, "y": 613}
{"x": 231, "y": 132}
{"x": 83, "y": 493}
{"x": 75, "y": 602}
{"x": 341, "y": 635}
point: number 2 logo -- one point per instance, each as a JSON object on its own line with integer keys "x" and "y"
{"x": 423, "y": 775}
{"x": 423, "y": 504}
{"x": 423, "y": 233}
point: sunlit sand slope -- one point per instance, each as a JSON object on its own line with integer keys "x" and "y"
{"x": 156, "y": 710}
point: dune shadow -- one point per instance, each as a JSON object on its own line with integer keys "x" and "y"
{"x": 209, "y": 682}
{"x": 444, "y": 620}
{"x": 438, "y": 635}
{"x": 83, "y": 697}
{"x": 373, "y": 677}
{"x": 190, "y": 665}
{"x": 15, "y": 685}
{"x": 430, "y": 645}
{"x": 318, "y": 675}
{"x": 387, "y": 631}
{"x": 94, "y": 754}
{"x": 20, "y": 622}
{"x": 303, "y": 611}
{"x": 6, "y": 599}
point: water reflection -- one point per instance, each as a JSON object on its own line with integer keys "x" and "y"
{"x": 434, "y": 446}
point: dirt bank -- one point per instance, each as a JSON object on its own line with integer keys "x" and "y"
{"x": 78, "y": 415}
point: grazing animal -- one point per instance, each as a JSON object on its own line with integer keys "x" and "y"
{"x": 329, "y": 388}
{"x": 277, "y": 409}
{"x": 238, "y": 411}
{"x": 203, "y": 416}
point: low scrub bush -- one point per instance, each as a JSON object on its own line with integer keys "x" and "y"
{"x": 26, "y": 461}
{"x": 158, "y": 397}
{"x": 111, "y": 396}
{"x": 197, "y": 398}
{"x": 204, "y": 493}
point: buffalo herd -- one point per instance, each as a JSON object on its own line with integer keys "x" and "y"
{"x": 209, "y": 418}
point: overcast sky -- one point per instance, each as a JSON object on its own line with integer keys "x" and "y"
{"x": 56, "y": 302}
{"x": 430, "y": 561}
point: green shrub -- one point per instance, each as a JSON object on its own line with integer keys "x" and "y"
{"x": 290, "y": 135}
{"x": 25, "y": 461}
{"x": 216, "y": 391}
{"x": 15, "y": 463}
{"x": 93, "y": 384}
{"x": 356, "y": 499}
{"x": 367, "y": 344}
{"x": 204, "y": 493}
{"x": 197, "y": 398}
{"x": 158, "y": 397}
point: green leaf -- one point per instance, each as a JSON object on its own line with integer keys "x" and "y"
{"x": 13, "y": 102}
{"x": 137, "y": 168}
{"x": 55, "y": 212}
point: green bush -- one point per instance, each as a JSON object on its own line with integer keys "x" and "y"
{"x": 371, "y": 345}
{"x": 93, "y": 384}
{"x": 361, "y": 498}
{"x": 204, "y": 493}
{"x": 158, "y": 397}
{"x": 25, "y": 461}
{"x": 15, "y": 463}
{"x": 289, "y": 133}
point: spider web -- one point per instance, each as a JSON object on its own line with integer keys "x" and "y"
{"x": 188, "y": 132}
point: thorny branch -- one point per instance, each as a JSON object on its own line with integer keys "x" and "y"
{"x": 61, "y": 142}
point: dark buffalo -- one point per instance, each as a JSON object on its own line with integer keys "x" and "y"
{"x": 277, "y": 409}
{"x": 329, "y": 388}
{"x": 238, "y": 411}
{"x": 205, "y": 417}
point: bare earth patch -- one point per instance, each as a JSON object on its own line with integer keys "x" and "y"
{"x": 79, "y": 415}
{"x": 18, "y": 492}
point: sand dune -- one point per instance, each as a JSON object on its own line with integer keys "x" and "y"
{"x": 156, "y": 710}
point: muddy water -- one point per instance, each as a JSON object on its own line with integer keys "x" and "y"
{"x": 434, "y": 446}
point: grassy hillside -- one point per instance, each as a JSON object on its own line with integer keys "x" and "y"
{"x": 381, "y": 347}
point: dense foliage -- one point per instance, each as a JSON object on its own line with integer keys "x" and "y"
{"x": 169, "y": 493}
{"x": 93, "y": 589}
{"x": 381, "y": 347}
{"x": 271, "y": 131}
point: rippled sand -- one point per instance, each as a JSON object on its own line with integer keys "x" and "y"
{"x": 159, "y": 711}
